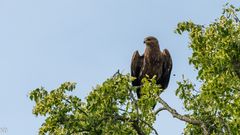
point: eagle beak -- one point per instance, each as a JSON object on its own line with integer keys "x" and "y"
{"x": 146, "y": 42}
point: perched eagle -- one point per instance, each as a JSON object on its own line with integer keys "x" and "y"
{"x": 152, "y": 62}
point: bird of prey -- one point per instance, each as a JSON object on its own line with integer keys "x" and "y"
{"x": 152, "y": 62}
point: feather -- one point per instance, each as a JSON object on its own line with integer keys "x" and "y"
{"x": 136, "y": 66}
{"x": 166, "y": 69}
{"x": 152, "y": 62}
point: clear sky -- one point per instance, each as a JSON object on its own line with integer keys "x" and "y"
{"x": 48, "y": 42}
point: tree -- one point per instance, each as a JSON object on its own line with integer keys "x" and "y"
{"x": 112, "y": 107}
{"x": 216, "y": 56}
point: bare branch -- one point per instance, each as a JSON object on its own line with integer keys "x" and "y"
{"x": 159, "y": 110}
{"x": 123, "y": 110}
{"x": 117, "y": 73}
{"x": 175, "y": 114}
{"x": 150, "y": 126}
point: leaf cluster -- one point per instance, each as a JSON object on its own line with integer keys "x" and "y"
{"x": 110, "y": 108}
{"x": 216, "y": 56}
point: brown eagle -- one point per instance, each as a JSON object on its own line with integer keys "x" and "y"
{"x": 152, "y": 62}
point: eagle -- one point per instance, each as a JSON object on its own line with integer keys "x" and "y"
{"x": 153, "y": 62}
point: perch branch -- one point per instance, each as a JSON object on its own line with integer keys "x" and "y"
{"x": 135, "y": 123}
{"x": 175, "y": 114}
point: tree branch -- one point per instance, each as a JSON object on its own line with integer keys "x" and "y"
{"x": 77, "y": 107}
{"x": 175, "y": 114}
{"x": 134, "y": 123}
{"x": 159, "y": 110}
{"x": 137, "y": 128}
{"x": 117, "y": 73}
{"x": 150, "y": 126}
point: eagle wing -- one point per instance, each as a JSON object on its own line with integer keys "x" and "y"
{"x": 166, "y": 69}
{"x": 136, "y": 65}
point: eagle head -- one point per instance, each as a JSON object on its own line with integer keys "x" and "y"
{"x": 150, "y": 41}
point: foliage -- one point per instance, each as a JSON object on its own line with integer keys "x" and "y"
{"x": 111, "y": 108}
{"x": 216, "y": 56}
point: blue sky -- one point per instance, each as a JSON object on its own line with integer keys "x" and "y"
{"x": 48, "y": 42}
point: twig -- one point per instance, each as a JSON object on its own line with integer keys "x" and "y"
{"x": 159, "y": 110}
{"x": 150, "y": 126}
{"x": 137, "y": 128}
{"x": 175, "y": 114}
{"x": 78, "y": 108}
{"x": 134, "y": 123}
{"x": 117, "y": 73}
